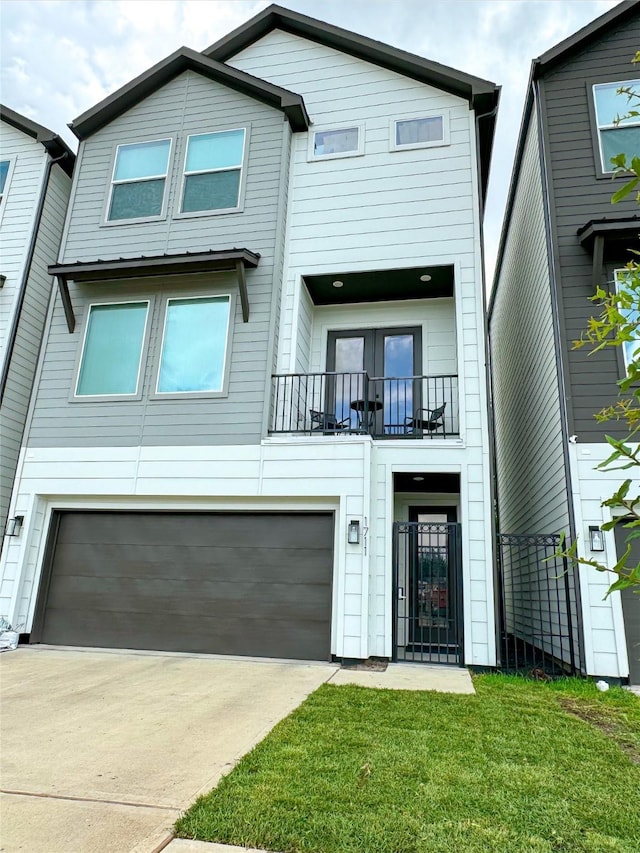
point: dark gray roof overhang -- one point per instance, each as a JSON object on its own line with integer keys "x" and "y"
{"x": 482, "y": 95}
{"x": 55, "y": 146}
{"x": 609, "y": 239}
{"x": 145, "y": 266}
{"x": 185, "y": 59}
{"x": 579, "y": 40}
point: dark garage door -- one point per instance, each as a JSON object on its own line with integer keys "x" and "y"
{"x": 224, "y": 583}
{"x": 631, "y": 606}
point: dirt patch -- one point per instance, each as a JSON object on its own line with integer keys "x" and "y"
{"x": 601, "y": 719}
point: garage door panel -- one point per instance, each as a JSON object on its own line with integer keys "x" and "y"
{"x": 263, "y": 529}
{"x": 135, "y": 561}
{"x": 180, "y": 633}
{"x": 164, "y": 582}
{"x": 295, "y": 601}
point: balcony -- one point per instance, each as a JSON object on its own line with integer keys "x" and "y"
{"x": 389, "y": 407}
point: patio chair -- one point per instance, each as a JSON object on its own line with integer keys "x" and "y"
{"x": 327, "y": 422}
{"x": 426, "y": 421}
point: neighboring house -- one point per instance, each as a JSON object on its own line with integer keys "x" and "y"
{"x": 260, "y": 422}
{"x": 561, "y": 239}
{"x": 35, "y": 181}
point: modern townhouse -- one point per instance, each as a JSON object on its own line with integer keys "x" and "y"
{"x": 260, "y": 422}
{"x": 35, "y": 181}
{"x": 561, "y": 239}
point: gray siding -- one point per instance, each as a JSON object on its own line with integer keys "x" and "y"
{"x": 531, "y": 480}
{"x": 188, "y": 104}
{"x": 578, "y": 196}
{"x": 25, "y": 352}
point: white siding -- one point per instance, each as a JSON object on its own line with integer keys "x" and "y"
{"x": 17, "y": 215}
{"x": 603, "y": 625}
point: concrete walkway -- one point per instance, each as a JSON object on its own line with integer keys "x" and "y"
{"x": 102, "y": 750}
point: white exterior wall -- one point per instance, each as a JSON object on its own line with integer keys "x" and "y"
{"x": 17, "y": 215}
{"x": 604, "y": 636}
{"x": 390, "y": 210}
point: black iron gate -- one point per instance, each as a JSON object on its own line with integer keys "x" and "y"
{"x": 538, "y": 606}
{"x": 427, "y": 592}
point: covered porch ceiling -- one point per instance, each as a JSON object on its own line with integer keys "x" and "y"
{"x": 426, "y": 282}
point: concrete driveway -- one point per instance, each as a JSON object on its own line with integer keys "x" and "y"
{"x": 102, "y": 751}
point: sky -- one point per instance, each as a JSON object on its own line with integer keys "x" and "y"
{"x": 60, "y": 57}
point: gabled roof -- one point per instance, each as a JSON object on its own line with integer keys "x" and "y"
{"x": 481, "y": 94}
{"x": 540, "y": 66}
{"x": 185, "y": 59}
{"x": 54, "y": 144}
{"x": 579, "y": 40}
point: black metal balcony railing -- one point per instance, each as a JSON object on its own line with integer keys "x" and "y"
{"x": 355, "y": 403}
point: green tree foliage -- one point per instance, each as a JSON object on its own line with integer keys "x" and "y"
{"x": 616, "y": 325}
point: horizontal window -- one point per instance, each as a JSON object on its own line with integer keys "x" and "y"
{"x": 616, "y": 134}
{"x": 419, "y": 132}
{"x": 194, "y": 345}
{"x": 139, "y": 178}
{"x": 341, "y": 142}
{"x": 112, "y": 351}
{"x": 213, "y": 171}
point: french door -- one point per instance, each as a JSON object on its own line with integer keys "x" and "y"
{"x": 391, "y": 358}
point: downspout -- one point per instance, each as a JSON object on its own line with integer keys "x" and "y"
{"x": 489, "y": 392}
{"x": 13, "y": 332}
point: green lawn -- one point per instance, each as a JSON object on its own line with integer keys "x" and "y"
{"x": 521, "y": 767}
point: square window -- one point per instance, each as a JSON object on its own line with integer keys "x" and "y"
{"x": 139, "y": 178}
{"x": 419, "y": 132}
{"x": 194, "y": 345}
{"x": 112, "y": 350}
{"x": 620, "y": 138}
{"x": 342, "y": 142}
{"x": 213, "y": 171}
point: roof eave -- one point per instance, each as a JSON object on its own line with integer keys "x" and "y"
{"x": 184, "y": 59}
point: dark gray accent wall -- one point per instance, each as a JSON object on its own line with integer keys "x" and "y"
{"x": 188, "y": 104}
{"x": 577, "y": 195}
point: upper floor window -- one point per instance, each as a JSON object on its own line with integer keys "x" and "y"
{"x": 341, "y": 142}
{"x": 139, "y": 178}
{"x": 194, "y": 345}
{"x": 213, "y": 171}
{"x": 630, "y": 349}
{"x": 4, "y": 172}
{"x": 112, "y": 349}
{"x": 419, "y": 132}
{"x": 620, "y": 138}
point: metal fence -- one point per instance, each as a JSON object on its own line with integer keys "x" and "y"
{"x": 383, "y": 407}
{"x": 538, "y": 607}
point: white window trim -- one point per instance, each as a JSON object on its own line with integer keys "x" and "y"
{"x": 438, "y": 143}
{"x": 7, "y": 184}
{"x": 607, "y": 168}
{"x": 113, "y": 182}
{"x": 143, "y": 348}
{"x": 180, "y": 395}
{"x": 358, "y": 152}
{"x": 188, "y": 214}
{"x": 617, "y": 277}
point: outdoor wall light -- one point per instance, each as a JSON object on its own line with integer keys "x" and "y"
{"x": 596, "y": 539}
{"x": 14, "y": 525}
{"x": 353, "y": 532}
{"x": 3, "y": 280}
